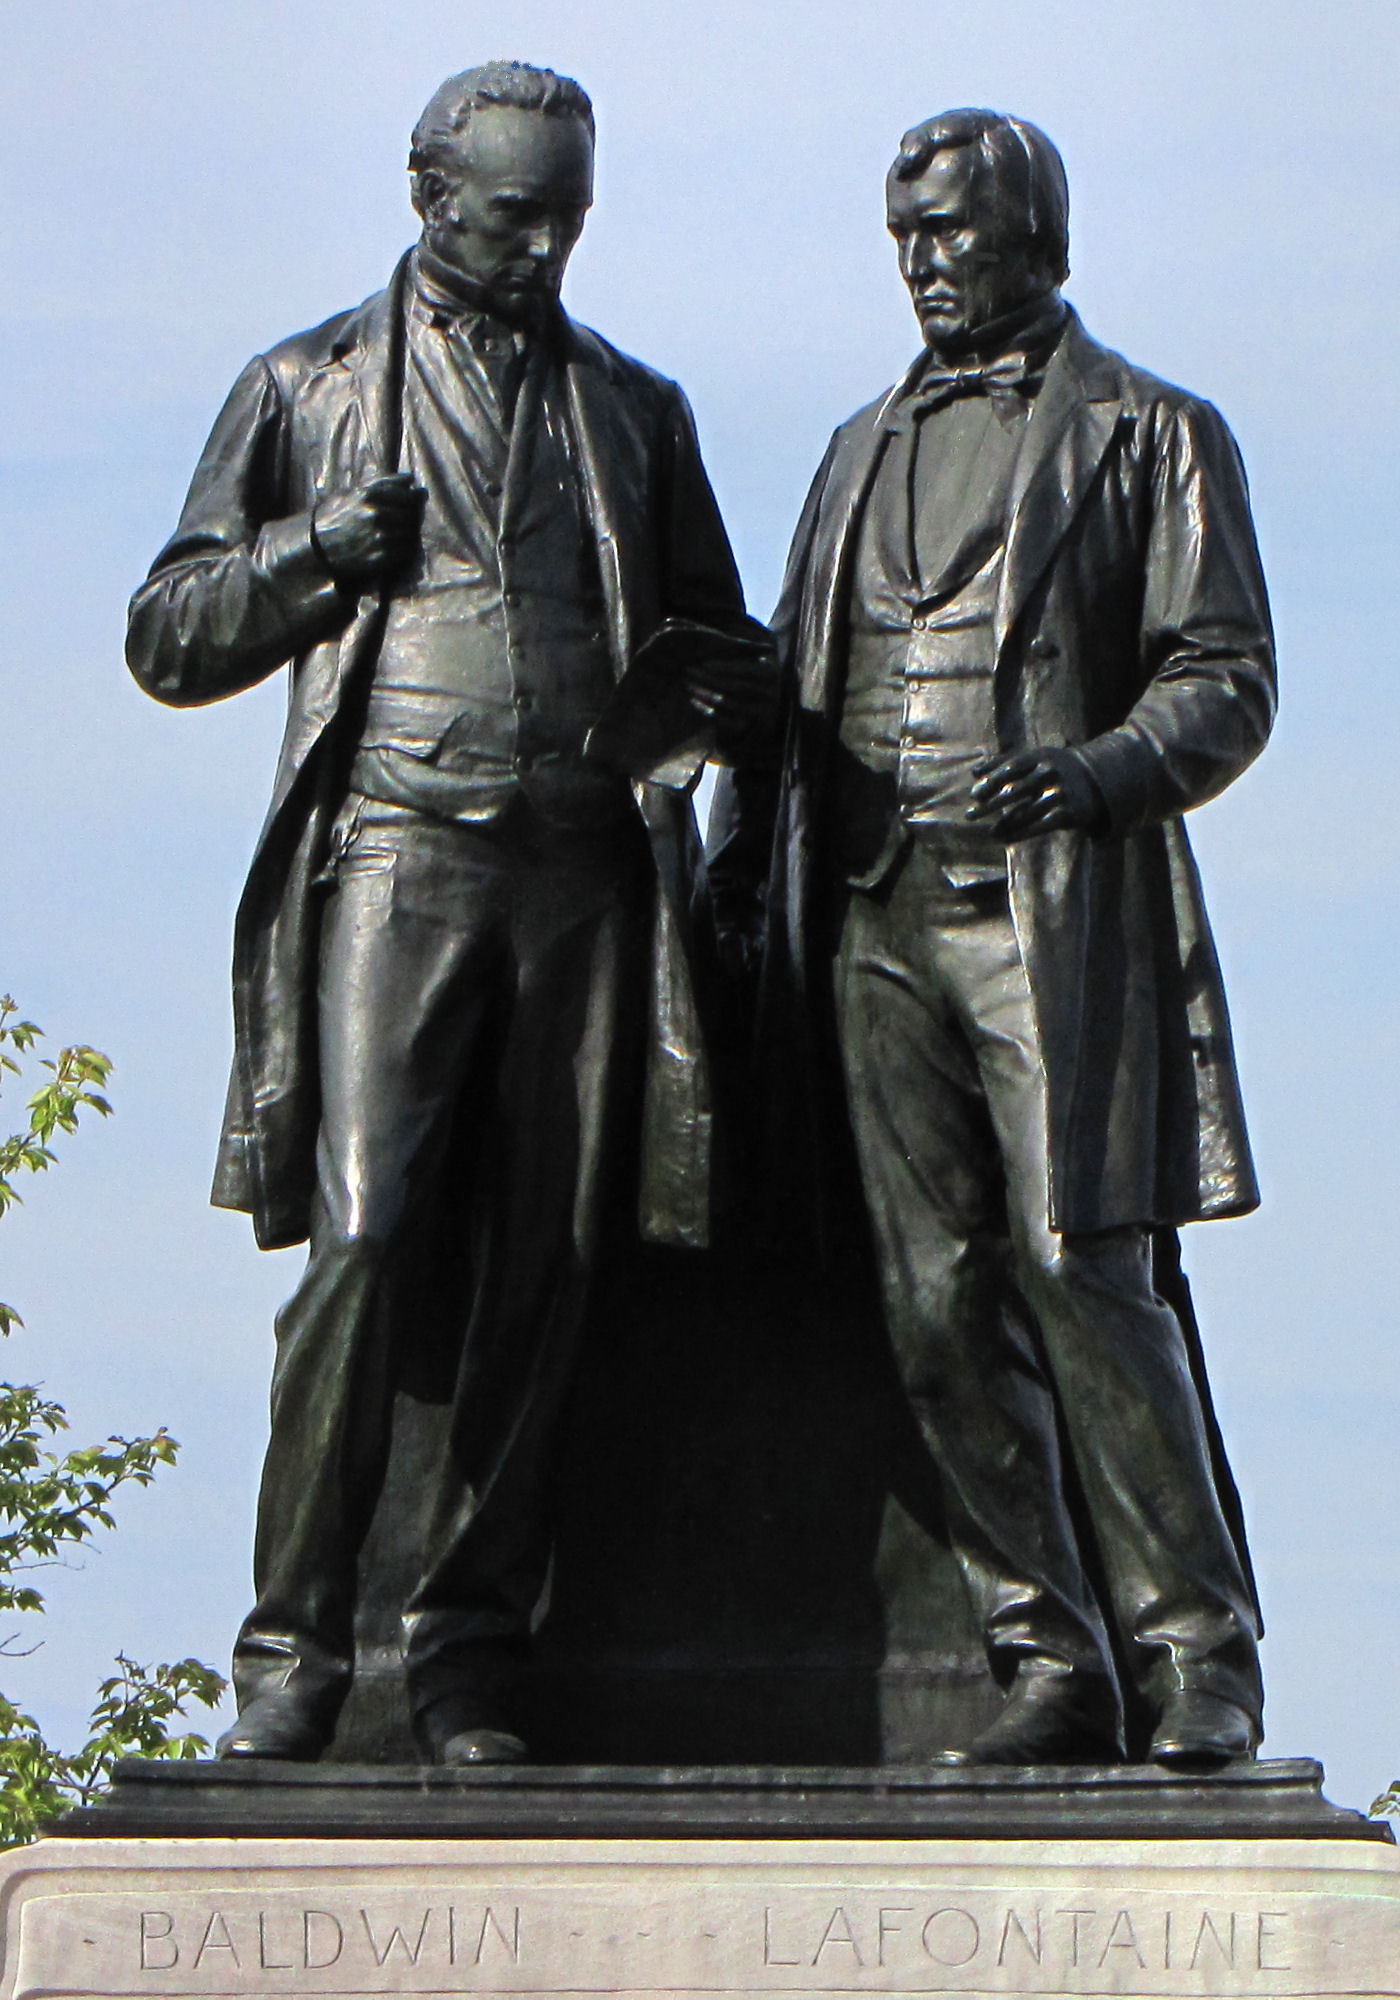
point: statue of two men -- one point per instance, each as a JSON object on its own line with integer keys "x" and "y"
{"x": 1024, "y": 630}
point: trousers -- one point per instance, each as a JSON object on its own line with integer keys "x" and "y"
{"x": 481, "y": 998}
{"x": 1009, "y": 1337}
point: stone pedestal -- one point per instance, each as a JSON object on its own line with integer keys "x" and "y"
{"x": 209, "y": 1880}
{"x": 209, "y": 1917}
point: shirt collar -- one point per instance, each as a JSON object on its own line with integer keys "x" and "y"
{"x": 1007, "y": 364}
{"x": 452, "y": 302}
{"x": 1031, "y": 333}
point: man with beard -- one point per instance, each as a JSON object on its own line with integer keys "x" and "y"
{"x": 1026, "y": 630}
{"x": 464, "y": 984}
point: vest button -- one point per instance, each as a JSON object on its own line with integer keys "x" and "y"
{"x": 524, "y": 699}
{"x": 512, "y": 598}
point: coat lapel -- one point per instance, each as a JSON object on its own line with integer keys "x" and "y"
{"x": 673, "y": 1197}
{"x": 609, "y": 458}
{"x": 372, "y": 347}
{"x": 826, "y": 599}
{"x": 1071, "y": 426}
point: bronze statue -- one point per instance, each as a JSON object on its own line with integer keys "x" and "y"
{"x": 1025, "y": 630}
{"x": 466, "y": 1019}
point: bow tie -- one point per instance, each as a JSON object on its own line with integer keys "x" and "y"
{"x": 1009, "y": 377}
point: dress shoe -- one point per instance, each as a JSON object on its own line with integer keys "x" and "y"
{"x": 275, "y": 1725}
{"x": 457, "y": 1731}
{"x": 483, "y": 1746}
{"x": 1048, "y": 1719}
{"x": 1197, "y": 1731}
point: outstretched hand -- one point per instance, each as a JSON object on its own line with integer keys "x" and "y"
{"x": 1036, "y": 791}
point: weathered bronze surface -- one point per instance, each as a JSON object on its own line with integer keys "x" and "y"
{"x": 1025, "y": 630}
{"x": 1269, "y": 1800}
{"x": 468, "y": 1040}
{"x": 747, "y": 1332}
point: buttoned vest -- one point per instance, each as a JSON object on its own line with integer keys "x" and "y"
{"x": 495, "y": 662}
{"x": 919, "y": 708}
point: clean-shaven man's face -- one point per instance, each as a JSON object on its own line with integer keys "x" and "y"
{"x": 508, "y": 208}
{"x": 944, "y": 222}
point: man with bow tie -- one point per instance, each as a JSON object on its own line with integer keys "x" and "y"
{"x": 467, "y": 1031}
{"x": 1026, "y": 631}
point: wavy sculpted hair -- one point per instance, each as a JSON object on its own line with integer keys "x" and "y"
{"x": 1030, "y": 192}
{"x": 516, "y": 85}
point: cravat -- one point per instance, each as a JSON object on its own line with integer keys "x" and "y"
{"x": 1008, "y": 379}
{"x": 458, "y": 309}
{"x": 502, "y": 358}
{"x": 1009, "y": 374}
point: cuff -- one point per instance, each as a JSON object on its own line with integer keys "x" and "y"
{"x": 1114, "y": 762}
{"x": 287, "y": 555}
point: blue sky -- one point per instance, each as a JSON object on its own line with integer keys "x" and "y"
{"x": 181, "y": 186}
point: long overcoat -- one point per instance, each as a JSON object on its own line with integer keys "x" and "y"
{"x": 239, "y": 592}
{"x": 1131, "y": 621}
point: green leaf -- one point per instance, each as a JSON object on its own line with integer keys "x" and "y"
{"x": 53, "y": 1502}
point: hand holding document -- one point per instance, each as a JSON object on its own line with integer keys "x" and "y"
{"x": 690, "y": 692}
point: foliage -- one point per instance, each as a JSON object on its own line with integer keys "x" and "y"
{"x": 49, "y": 1503}
{"x": 75, "y": 1081}
{"x": 129, "y": 1719}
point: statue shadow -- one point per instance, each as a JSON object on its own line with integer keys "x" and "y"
{"x": 749, "y": 1565}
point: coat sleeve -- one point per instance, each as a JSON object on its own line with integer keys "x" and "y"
{"x": 1207, "y": 652}
{"x": 700, "y": 578}
{"x": 743, "y": 812}
{"x": 239, "y": 589}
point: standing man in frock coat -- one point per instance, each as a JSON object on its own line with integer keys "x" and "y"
{"x": 464, "y": 980}
{"x": 1025, "y": 630}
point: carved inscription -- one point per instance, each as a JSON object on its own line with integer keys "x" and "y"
{"x": 695, "y": 1930}
{"x": 851, "y": 1937}
{"x": 990, "y": 1934}
{"x": 249, "y": 1941}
